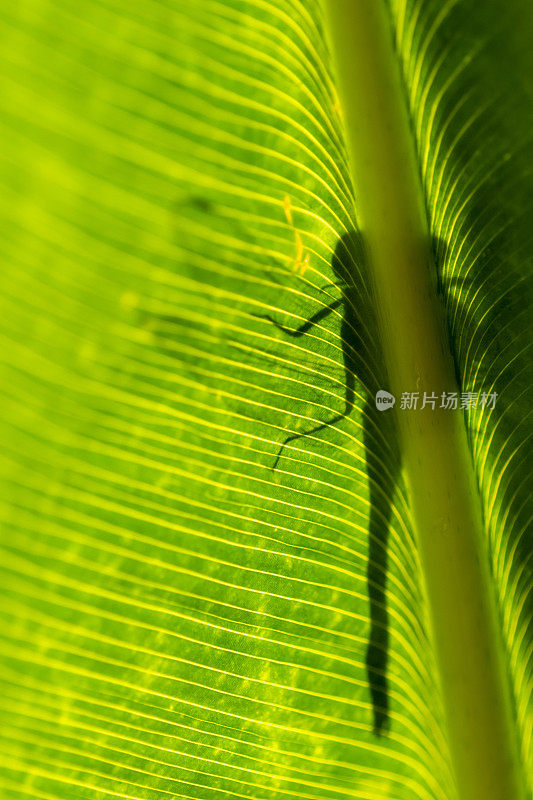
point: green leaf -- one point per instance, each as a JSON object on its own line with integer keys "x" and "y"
{"x": 184, "y": 615}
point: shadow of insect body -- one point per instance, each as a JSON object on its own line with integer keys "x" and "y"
{"x": 361, "y": 362}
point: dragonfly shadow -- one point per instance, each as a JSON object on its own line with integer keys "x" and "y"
{"x": 363, "y": 361}
{"x": 472, "y": 316}
{"x": 364, "y": 374}
{"x": 363, "y": 366}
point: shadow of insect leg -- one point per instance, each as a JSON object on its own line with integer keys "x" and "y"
{"x": 349, "y": 397}
{"x": 303, "y": 329}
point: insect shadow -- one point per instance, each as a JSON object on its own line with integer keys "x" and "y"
{"x": 362, "y": 364}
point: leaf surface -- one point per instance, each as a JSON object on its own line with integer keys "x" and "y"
{"x": 180, "y": 619}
